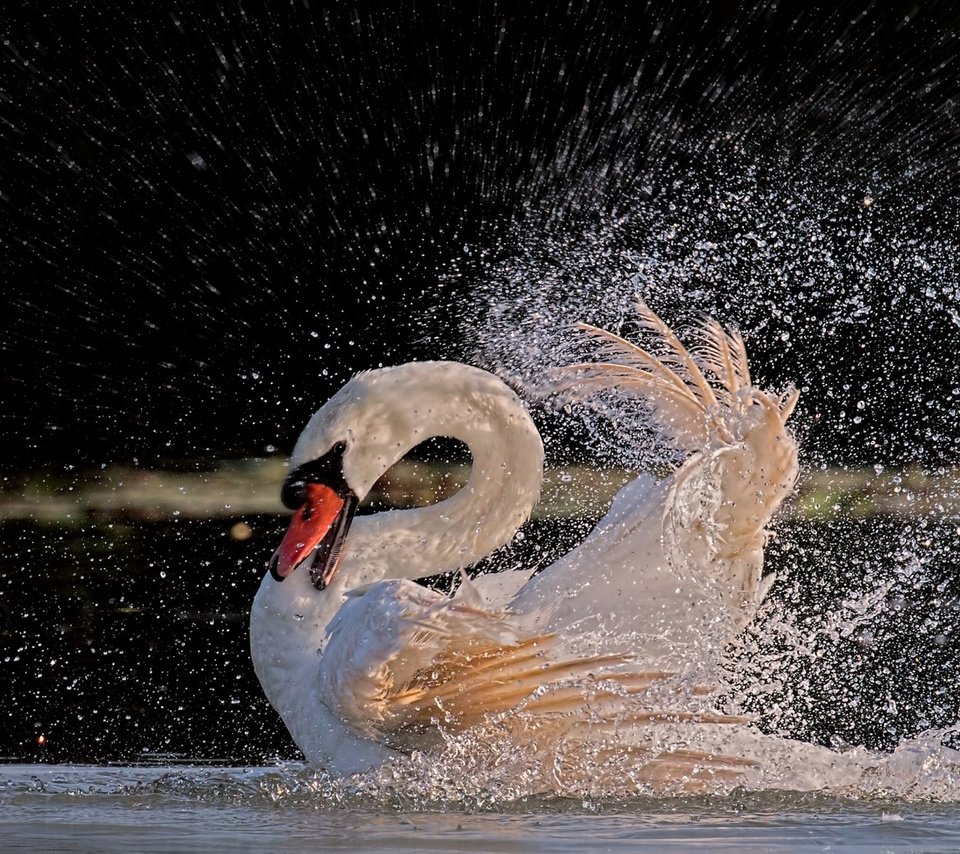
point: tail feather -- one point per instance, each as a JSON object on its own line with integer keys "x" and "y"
{"x": 788, "y": 403}
{"x": 677, "y": 412}
{"x": 722, "y": 353}
{"x": 631, "y": 355}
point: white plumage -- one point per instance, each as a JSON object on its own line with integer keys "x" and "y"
{"x": 594, "y": 647}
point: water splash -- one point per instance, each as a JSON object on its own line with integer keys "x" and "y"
{"x": 839, "y": 265}
{"x": 480, "y": 773}
{"x": 846, "y": 287}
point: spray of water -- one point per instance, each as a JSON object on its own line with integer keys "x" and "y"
{"x": 845, "y": 285}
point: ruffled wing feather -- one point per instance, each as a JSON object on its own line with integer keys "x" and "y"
{"x": 451, "y": 667}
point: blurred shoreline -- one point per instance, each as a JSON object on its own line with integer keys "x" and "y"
{"x": 238, "y": 488}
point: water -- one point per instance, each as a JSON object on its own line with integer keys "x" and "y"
{"x": 90, "y": 808}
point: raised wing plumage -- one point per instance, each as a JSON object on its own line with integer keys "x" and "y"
{"x": 676, "y": 565}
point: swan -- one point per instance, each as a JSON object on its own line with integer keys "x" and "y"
{"x": 364, "y": 665}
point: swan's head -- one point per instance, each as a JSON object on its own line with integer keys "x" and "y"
{"x": 323, "y": 505}
{"x": 338, "y": 457}
{"x": 359, "y": 433}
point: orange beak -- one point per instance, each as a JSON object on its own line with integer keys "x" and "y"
{"x": 318, "y": 528}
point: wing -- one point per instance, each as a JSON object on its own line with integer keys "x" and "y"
{"x": 686, "y": 551}
{"x": 450, "y": 667}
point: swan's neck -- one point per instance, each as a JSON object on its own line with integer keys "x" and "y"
{"x": 288, "y": 624}
{"x": 503, "y": 487}
{"x": 384, "y": 414}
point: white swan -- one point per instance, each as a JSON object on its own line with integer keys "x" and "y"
{"x": 363, "y": 664}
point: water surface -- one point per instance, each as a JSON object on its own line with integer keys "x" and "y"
{"x": 96, "y": 808}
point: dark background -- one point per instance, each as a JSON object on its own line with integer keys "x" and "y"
{"x": 212, "y": 214}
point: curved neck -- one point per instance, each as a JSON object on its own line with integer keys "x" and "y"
{"x": 502, "y": 490}
{"x": 384, "y": 414}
